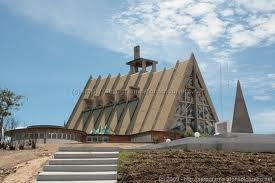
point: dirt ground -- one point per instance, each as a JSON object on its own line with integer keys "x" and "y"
{"x": 121, "y": 145}
{"x": 22, "y": 166}
{"x": 196, "y": 166}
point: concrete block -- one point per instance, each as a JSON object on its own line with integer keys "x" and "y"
{"x": 90, "y": 161}
{"x": 242, "y": 142}
{"x": 93, "y": 181}
{"x": 76, "y": 176}
{"x": 79, "y": 168}
{"x": 249, "y": 147}
{"x": 76, "y": 155}
{"x": 88, "y": 149}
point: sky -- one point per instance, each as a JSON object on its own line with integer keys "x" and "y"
{"x": 48, "y": 50}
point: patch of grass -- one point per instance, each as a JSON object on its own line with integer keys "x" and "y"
{"x": 125, "y": 159}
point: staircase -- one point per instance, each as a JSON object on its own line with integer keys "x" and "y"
{"x": 81, "y": 165}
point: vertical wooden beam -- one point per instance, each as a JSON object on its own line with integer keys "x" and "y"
{"x": 154, "y": 67}
{"x": 152, "y": 101}
{"x": 195, "y": 96}
{"x": 90, "y": 95}
{"x": 102, "y": 91}
{"x": 113, "y": 112}
{"x": 138, "y": 79}
{"x": 142, "y": 96}
{"x": 114, "y": 106}
{"x": 95, "y": 87}
{"x": 115, "y": 83}
{"x": 120, "y": 121}
{"x": 143, "y": 66}
{"x": 78, "y": 102}
{"x": 165, "y": 96}
{"x": 126, "y": 82}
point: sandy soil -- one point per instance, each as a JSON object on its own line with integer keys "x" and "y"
{"x": 197, "y": 166}
{"x": 21, "y": 165}
{"x": 27, "y": 172}
{"x": 121, "y": 145}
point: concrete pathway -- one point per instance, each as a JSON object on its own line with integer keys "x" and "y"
{"x": 81, "y": 165}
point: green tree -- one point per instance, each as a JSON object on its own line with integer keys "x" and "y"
{"x": 9, "y": 101}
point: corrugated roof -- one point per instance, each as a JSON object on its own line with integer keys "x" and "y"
{"x": 151, "y": 110}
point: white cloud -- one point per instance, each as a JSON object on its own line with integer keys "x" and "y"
{"x": 257, "y": 5}
{"x": 199, "y": 9}
{"x": 262, "y": 97}
{"x": 255, "y": 83}
{"x": 243, "y": 39}
{"x": 227, "y": 12}
{"x": 151, "y": 23}
{"x": 235, "y": 28}
{"x": 175, "y": 4}
{"x": 207, "y": 30}
{"x": 168, "y": 30}
{"x": 259, "y": 29}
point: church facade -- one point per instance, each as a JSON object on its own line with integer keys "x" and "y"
{"x": 170, "y": 100}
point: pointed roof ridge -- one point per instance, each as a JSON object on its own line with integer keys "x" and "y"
{"x": 193, "y": 60}
{"x": 238, "y": 83}
{"x": 168, "y": 79}
{"x": 192, "y": 57}
{"x": 241, "y": 121}
{"x": 192, "y": 65}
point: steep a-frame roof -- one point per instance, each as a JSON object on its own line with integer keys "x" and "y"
{"x": 136, "y": 102}
{"x": 241, "y": 121}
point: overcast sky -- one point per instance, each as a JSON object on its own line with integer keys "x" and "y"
{"x": 48, "y": 49}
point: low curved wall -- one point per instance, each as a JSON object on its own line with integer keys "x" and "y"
{"x": 46, "y": 135}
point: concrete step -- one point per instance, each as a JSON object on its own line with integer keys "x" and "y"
{"x": 86, "y": 161}
{"x": 76, "y": 176}
{"x": 93, "y": 181}
{"x": 82, "y": 165}
{"x": 79, "y": 168}
{"x": 76, "y": 155}
{"x": 88, "y": 149}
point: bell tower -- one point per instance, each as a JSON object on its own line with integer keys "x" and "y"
{"x": 141, "y": 63}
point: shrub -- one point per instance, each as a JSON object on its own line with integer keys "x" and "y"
{"x": 12, "y": 147}
{"x": 21, "y": 146}
{"x": 189, "y": 132}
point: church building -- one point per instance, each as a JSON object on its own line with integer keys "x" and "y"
{"x": 145, "y": 99}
